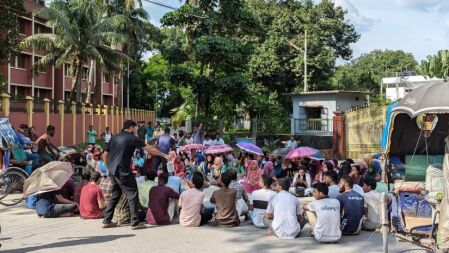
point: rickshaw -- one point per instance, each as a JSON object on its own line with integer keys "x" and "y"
{"x": 419, "y": 126}
{"x": 12, "y": 177}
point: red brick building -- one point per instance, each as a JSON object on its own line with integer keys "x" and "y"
{"x": 54, "y": 83}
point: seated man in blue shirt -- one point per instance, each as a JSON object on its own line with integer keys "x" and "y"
{"x": 25, "y": 143}
{"x": 53, "y": 205}
{"x": 351, "y": 207}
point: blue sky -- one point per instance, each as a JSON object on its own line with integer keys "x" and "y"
{"x": 415, "y": 26}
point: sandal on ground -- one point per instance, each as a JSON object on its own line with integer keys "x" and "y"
{"x": 109, "y": 225}
{"x": 138, "y": 226}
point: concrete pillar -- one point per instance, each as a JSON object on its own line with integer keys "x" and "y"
{"x": 105, "y": 112}
{"x": 6, "y": 104}
{"x": 61, "y": 114}
{"x": 338, "y": 146}
{"x": 47, "y": 111}
{"x": 83, "y": 114}
{"x": 29, "y": 110}
{"x": 98, "y": 110}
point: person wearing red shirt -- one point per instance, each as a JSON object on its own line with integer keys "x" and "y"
{"x": 92, "y": 200}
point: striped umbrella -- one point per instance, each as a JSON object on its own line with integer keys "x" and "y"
{"x": 190, "y": 147}
{"x": 303, "y": 152}
{"x": 217, "y": 149}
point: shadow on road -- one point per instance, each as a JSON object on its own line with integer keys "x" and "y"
{"x": 81, "y": 241}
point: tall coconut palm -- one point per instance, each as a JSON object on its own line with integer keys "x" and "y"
{"x": 81, "y": 33}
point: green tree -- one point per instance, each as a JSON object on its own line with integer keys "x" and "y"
{"x": 82, "y": 33}
{"x": 209, "y": 50}
{"x": 366, "y": 72}
{"x": 435, "y": 65}
{"x": 279, "y": 66}
{"x": 10, "y": 12}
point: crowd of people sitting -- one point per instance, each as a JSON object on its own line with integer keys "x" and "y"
{"x": 119, "y": 185}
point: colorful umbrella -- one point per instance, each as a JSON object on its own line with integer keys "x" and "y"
{"x": 50, "y": 177}
{"x": 216, "y": 149}
{"x": 303, "y": 152}
{"x": 190, "y": 147}
{"x": 280, "y": 151}
{"x": 250, "y": 148}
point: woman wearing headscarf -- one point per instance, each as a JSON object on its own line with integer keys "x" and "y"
{"x": 254, "y": 174}
{"x": 235, "y": 165}
{"x": 217, "y": 168}
{"x": 325, "y": 167}
{"x": 268, "y": 169}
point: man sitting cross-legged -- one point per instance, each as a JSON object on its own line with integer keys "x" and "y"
{"x": 323, "y": 214}
{"x": 224, "y": 200}
{"x": 259, "y": 200}
{"x": 92, "y": 201}
{"x": 158, "y": 203}
{"x": 193, "y": 214}
{"x": 351, "y": 207}
{"x": 283, "y": 216}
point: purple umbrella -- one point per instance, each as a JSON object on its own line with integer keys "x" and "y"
{"x": 303, "y": 152}
{"x": 190, "y": 147}
{"x": 217, "y": 149}
{"x": 250, "y": 148}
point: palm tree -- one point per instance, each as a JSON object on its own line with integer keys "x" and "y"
{"x": 82, "y": 33}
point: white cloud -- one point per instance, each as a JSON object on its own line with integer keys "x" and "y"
{"x": 361, "y": 22}
{"x": 424, "y": 5}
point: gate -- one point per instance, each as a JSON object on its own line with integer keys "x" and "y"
{"x": 363, "y": 130}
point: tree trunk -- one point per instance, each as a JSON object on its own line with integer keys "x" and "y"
{"x": 76, "y": 82}
{"x": 90, "y": 82}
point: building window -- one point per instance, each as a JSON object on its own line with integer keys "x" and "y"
{"x": 36, "y": 59}
{"x": 38, "y": 28}
{"x": 84, "y": 73}
{"x": 20, "y": 61}
{"x": 67, "y": 70}
{"x": 105, "y": 78}
{"x": 23, "y": 28}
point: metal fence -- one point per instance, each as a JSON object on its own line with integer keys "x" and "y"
{"x": 313, "y": 126}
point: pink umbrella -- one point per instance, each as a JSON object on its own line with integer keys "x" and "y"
{"x": 190, "y": 147}
{"x": 303, "y": 152}
{"x": 217, "y": 149}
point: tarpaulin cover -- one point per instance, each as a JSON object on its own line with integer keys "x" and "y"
{"x": 443, "y": 226}
{"x": 405, "y": 135}
{"x": 385, "y": 132}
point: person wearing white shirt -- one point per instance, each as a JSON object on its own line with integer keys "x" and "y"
{"x": 292, "y": 143}
{"x": 259, "y": 200}
{"x": 358, "y": 189}
{"x": 207, "y": 141}
{"x": 189, "y": 139}
{"x": 330, "y": 179}
{"x": 302, "y": 183}
{"x": 218, "y": 140}
{"x": 283, "y": 216}
{"x": 372, "y": 205}
{"x": 323, "y": 215}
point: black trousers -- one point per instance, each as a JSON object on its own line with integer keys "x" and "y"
{"x": 123, "y": 185}
{"x": 59, "y": 209}
{"x": 160, "y": 161}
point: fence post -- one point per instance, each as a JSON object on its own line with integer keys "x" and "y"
{"x": 105, "y": 112}
{"x": 5, "y": 104}
{"x": 99, "y": 113}
{"x": 29, "y": 110}
{"x": 73, "y": 108}
{"x": 92, "y": 112}
{"x": 61, "y": 113}
{"x": 47, "y": 111}
{"x": 83, "y": 115}
{"x": 292, "y": 126}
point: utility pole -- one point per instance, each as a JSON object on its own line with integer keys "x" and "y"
{"x": 306, "y": 86}
{"x": 305, "y": 61}
{"x": 127, "y": 91}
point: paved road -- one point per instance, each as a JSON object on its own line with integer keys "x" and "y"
{"x": 22, "y": 231}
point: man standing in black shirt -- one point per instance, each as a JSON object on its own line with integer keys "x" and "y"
{"x": 117, "y": 158}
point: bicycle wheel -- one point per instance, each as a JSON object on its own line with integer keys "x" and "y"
{"x": 11, "y": 187}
